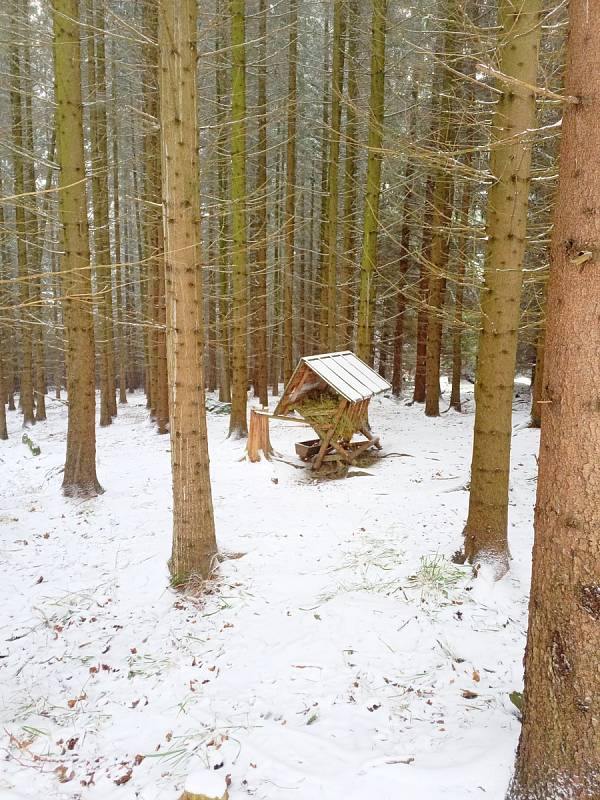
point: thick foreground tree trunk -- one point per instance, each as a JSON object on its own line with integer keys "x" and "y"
{"x": 559, "y": 750}
{"x": 80, "y": 466}
{"x": 514, "y": 119}
{"x": 194, "y": 544}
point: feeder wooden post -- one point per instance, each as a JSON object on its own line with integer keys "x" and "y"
{"x": 258, "y": 436}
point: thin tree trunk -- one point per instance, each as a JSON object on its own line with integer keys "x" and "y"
{"x": 405, "y": 258}
{"x": 80, "y": 466}
{"x": 347, "y": 277}
{"x": 537, "y": 388}
{"x": 194, "y": 544}
{"x": 368, "y": 262}
{"x": 290, "y": 196}
{"x": 222, "y": 160}
{"x": 329, "y": 314}
{"x": 559, "y": 749}
{"x": 514, "y": 119}
{"x": 98, "y": 155}
{"x": 238, "y": 424}
{"x": 121, "y": 269}
{"x": 26, "y": 374}
{"x": 441, "y": 221}
{"x": 462, "y": 259}
{"x": 36, "y": 229}
{"x": 260, "y": 317}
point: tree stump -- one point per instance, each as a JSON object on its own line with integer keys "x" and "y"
{"x": 258, "y": 437}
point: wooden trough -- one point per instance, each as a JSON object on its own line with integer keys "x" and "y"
{"x": 331, "y": 392}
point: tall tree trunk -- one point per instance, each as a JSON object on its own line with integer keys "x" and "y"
{"x": 120, "y": 267}
{"x": 368, "y": 262}
{"x": 290, "y": 196}
{"x": 260, "y": 316}
{"x": 80, "y": 466}
{"x": 329, "y": 312}
{"x": 559, "y": 749}
{"x": 347, "y": 277}
{"x": 222, "y": 157}
{"x": 462, "y": 260}
{"x": 321, "y": 278}
{"x": 36, "y": 229}
{"x": 441, "y": 222}
{"x": 514, "y": 119}
{"x": 99, "y": 164}
{"x": 154, "y": 237}
{"x": 26, "y": 374}
{"x": 194, "y": 544}
{"x": 537, "y": 388}
{"x": 238, "y": 425}
{"x": 276, "y": 343}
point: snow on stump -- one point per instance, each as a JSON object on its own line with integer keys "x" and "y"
{"x": 258, "y": 436}
{"x": 205, "y": 784}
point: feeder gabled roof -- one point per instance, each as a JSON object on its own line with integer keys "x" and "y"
{"x": 347, "y": 375}
{"x": 344, "y": 372}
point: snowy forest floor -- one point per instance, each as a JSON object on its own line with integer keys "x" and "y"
{"x": 343, "y": 656}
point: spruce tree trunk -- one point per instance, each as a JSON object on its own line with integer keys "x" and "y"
{"x": 36, "y": 229}
{"x": 290, "y": 197}
{"x": 154, "y": 237}
{"x": 422, "y": 315}
{"x": 194, "y": 544}
{"x": 26, "y": 373}
{"x": 121, "y": 269}
{"x": 238, "y": 424}
{"x": 347, "y": 278}
{"x": 222, "y": 156}
{"x": 462, "y": 260}
{"x": 537, "y": 388}
{"x": 260, "y": 316}
{"x": 405, "y": 259}
{"x": 80, "y": 466}
{"x": 441, "y": 221}
{"x": 320, "y": 284}
{"x": 368, "y": 261}
{"x": 559, "y": 749}
{"x": 101, "y": 251}
{"x": 331, "y": 229}
{"x": 514, "y": 118}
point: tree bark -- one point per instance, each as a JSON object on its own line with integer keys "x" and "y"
{"x": 80, "y": 466}
{"x": 514, "y": 119}
{"x": 348, "y": 278}
{"x": 290, "y": 196}
{"x": 26, "y": 373}
{"x": 559, "y": 749}
{"x": 368, "y": 262}
{"x": 329, "y": 311}
{"x": 238, "y": 424}
{"x": 260, "y": 316}
{"x": 194, "y": 544}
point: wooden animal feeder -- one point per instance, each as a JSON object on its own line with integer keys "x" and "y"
{"x": 331, "y": 392}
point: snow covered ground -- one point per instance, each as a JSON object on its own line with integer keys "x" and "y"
{"x": 342, "y": 656}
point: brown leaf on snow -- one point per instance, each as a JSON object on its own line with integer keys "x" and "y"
{"x": 476, "y": 676}
{"x": 72, "y": 742}
{"x": 469, "y": 695}
{"x": 138, "y": 759}
{"x": 64, "y": 776}
{"x": 124, "y": 778}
